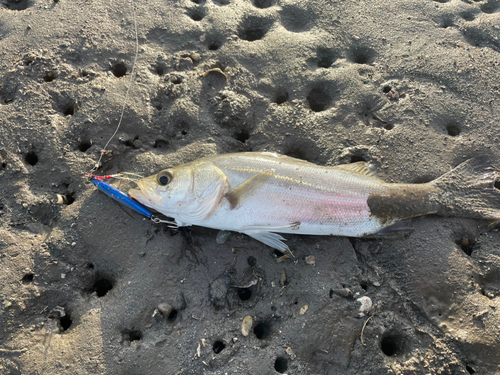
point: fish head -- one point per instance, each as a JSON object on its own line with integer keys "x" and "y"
{"x": 188, "y": 193}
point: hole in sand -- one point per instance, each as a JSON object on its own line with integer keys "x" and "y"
{"x": 135, "y": 335}
{"x": 160, "y": 70}
{"x": 172, "y": 315}
{"x": 176, "y": 80}
{"x": 468, "y": 16}
{"x": 467, "y": 245}
{"x": 252, "y": 261}
{"x": 453, "y": 130}
{"x": 31, "y": 158}
{"x": 361, "y": 55}
{"x": 262, "y": 330}
{"x": 393, "y": 344}
{"x": 218, "y": 347}
{"x": 49, "y": 77}
{"x": 182, "y": 127}
{"x": 491, "y": 7}
{"x": 70, "y": 197}
{"x": 325, "y": 57}
{"x": 281, "y": 365}
{"x": 195, "y": 15}
{"x": 65, "y": 322}
{"x": 470, "y": 369}
{"x": 16, "y": 4}
{"x": 242, "y": 136}
{"x": 221, "y": 2}
{"x": 214, "y": 45}
{"x": 364, "y": 284}
{"x": 356, "y": 158}
{"x": 318, "y": 99}
{"x": 252, "y": 33}
{"x": 90, "y": 265}
{"x": 244, "y": 293}
{"x": 254, "y": 28}
{"x": 68, "y": 106}
{"x": 28, "y": 278}
{"x": 386, "y": 89}
{"x": 119, "y": 69}
{"x": 496, "y": 184}
{"x": 131, "y": 335}
{"x": 281, "y": 97}
{"x": 161, "y": 143}
{"x": 262, "y": 4}
{"x": 102, "y": 287}
{"x": 84, "y": 146}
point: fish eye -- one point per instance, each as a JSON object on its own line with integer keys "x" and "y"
{"x": 164, "y": 177}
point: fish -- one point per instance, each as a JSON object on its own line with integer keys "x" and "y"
{"x": 264, "y": 195}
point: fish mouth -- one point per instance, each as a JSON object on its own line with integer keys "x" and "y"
{"x": 145, "y": 194}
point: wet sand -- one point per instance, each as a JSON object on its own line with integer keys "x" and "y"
{"x": 89, "y": 287}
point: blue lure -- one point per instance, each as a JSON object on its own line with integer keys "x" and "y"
{"x": 122, "y": 198}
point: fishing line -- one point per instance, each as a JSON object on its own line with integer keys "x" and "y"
{"x": 98, "y": 181}
{"x": 132, "y": 74}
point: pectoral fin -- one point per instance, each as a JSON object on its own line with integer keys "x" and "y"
{"x": 245, "y": 189}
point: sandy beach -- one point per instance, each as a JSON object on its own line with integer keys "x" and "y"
{"x": 90, "y": 287}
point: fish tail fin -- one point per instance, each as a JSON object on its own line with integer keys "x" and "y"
{"x": 471, "y": 190}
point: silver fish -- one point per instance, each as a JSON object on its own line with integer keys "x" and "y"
{"x": 262, "y": 194}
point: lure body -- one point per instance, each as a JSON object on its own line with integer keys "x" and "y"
{"x": 122, "y": 198}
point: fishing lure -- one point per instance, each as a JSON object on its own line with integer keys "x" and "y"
{"x": 124, "y": 199}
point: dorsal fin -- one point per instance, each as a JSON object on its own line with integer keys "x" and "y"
{"x": 360, "y": 167}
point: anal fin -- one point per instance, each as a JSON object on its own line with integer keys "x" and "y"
{"x": 271, "y": 239}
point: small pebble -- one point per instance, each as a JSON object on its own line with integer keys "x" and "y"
{"x": 246, "y": 325}
{"x": 61, "y": 199}
{"x": 365, "y": 307}
{"x": 303, "y": 309}
{"x": 311, "y": 260}
{"x": 222, "y": 236}
{"x": 283, "y": 280}
{"x": 343, "y": 292}
{"x": 195, "y": 56}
